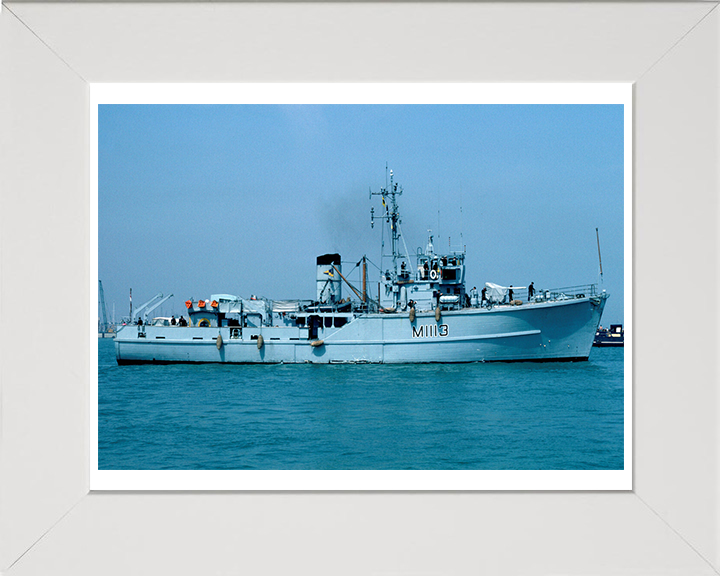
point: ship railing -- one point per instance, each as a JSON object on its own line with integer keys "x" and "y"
{"x": 564, "y": 293}
{"x": 543, "y": 295}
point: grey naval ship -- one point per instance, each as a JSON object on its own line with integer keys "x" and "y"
{"x": 422, "y": 313}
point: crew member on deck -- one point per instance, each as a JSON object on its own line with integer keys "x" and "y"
{"x": 172, "y": 321}
{"x": 483, "y": 294}
{"x": 531, "y": 291}
{"x": 139, "y": 321}
{"x": 510, "y": 293}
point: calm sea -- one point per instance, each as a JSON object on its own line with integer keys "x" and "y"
{"x": 549, "y": 416}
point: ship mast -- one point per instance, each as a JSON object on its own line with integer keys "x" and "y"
{"x": 389, "y": 196}
{"x": 364, "y": 280}
{"x": 597, "y": 235}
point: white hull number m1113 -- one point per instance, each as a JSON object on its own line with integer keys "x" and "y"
{"x": 430, "y": 331}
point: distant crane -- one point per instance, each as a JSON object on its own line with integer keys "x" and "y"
{"x": 104, "y": 326}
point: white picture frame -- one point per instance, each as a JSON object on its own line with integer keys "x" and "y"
{"x": 49, "y": 521}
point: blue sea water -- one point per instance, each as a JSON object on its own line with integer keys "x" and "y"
{"x": 498, "y": 416}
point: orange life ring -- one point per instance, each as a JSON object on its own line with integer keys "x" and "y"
{"x": 188, "y": 303}
{"x": 214, "y": 304}
{"x": 201, "y": 303}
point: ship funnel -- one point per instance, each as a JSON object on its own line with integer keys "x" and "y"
{"x": 329, "y": 288}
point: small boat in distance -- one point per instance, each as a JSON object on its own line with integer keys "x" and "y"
{"x": 422, "y": 313}
{"x": 614, "y": 336}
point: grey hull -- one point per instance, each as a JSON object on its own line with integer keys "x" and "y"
{"x": 546, "y": 331}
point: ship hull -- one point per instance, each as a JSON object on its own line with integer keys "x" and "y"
{"x": 540, "y": 332}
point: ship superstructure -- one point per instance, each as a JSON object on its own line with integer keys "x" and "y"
{"x": 422, "y": 313}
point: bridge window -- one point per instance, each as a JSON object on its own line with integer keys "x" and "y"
{"x": 340, "y": 321}
{"x": 449, "y": 274}
{"x": 328, "y": 321}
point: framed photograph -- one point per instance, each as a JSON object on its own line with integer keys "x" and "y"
{"x": 233, "y": 184}
{"x": 666, "y": 523}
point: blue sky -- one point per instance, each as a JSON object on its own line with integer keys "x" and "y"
{"x": 197, "y": 200}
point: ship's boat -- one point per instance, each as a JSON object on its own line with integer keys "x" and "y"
{"x": 422, "y": 313}
{"x": 613, "y": 336}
